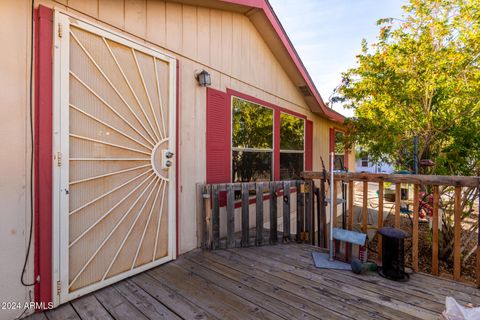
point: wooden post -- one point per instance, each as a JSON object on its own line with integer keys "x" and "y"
{"x": 300, "y": 210}
{"x": 380, "y": 221}
{"x": 309, "y": 214}
{"x": 286, "y": 211}
{"x": 334, "y": 203}
{"x": 323, "y": 217}
{"x": 478, "y": 239}
{"x": 416, "y": 204}
{"x": 207, "y": 214}
{"x": 259, "y": 214}
{"x": 365, "y": 206}
{"x": 457, "y": 233}
{"x": 273, "y": 213}
{"x": 312, "y": 212}
{"x": 215, "y": 217}
{"x": 436, "y": 198}
{"x": 245, "y": 216}
{"x": 230, "y": 216}
{"x": 350, "y": 205}
{"x": 398, "y": 195}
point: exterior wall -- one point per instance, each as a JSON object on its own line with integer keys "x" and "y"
{"x": 226, "y": 44}
{"x": 15, "y": 24}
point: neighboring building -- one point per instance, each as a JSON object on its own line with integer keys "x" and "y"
{"x": 364, "y": 164}
{"x": 123, "y": 131}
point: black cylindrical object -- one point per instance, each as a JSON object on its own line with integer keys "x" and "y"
{"x": 393, "y": 254}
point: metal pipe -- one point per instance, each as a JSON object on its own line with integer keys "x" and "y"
{"x": 332, "y": 184}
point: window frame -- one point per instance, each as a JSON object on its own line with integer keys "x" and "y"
{"x": 276, "y": 131}
{"x": 345, "y": 150}
{"x": 304, "y": 138}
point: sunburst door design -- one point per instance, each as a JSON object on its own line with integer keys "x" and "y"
{"x": 120, "y": 164}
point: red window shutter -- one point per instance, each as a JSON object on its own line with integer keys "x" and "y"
{"x": 345, "y": 159}
{"x": 308, "y": 145}
{"x": 218, "y": 137}
{"x": 332, "y": 141}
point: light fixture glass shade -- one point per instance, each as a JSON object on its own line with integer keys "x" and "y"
{"x": 204, "y": 79}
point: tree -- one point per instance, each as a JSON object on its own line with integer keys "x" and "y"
{"x": 420, "y": 79}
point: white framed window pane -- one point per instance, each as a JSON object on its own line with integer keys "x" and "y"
{"x": 291, "y": 165}
{"x": 252, "y": 125}
{"x": 250, "y": 166}
{"x": 292, "y": 132}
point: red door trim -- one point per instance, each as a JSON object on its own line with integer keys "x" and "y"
{"x": 43, "y": 154}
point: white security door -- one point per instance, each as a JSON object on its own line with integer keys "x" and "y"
{"x": 114, "y": 158}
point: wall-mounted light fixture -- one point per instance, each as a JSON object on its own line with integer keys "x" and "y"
{"x": 203, "y": 78}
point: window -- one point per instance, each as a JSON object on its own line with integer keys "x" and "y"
{"x": 365, "y": 161}
{"x": 292, "y": 137}
{"x": 339, "y": 151}
{"x": 252, "y": 141}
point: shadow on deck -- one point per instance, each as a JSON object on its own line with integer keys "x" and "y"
{"x": 271, "y": 282}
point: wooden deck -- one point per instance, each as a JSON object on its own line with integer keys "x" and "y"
{"x": 271, "y": 282}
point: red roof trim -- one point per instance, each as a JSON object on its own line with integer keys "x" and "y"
{"x": 277, "y": 26}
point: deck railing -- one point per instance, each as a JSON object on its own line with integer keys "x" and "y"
{"x": 251, "y": 198}
{"x": 418, "y": 181}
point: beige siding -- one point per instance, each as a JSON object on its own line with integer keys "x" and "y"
{"x": 224, "y": 43}
{"x": 14, "y": 158}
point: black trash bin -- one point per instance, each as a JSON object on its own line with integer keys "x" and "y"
{"x": 393, "y": 254}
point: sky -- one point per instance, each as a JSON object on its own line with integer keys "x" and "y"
{"x": 327, "y": 34}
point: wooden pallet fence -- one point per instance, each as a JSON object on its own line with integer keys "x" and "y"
{"x": 252, "y": 196}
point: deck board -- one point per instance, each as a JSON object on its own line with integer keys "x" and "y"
{"x": 270, "y": 282}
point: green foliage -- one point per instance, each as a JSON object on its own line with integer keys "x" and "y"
{"x": 291, "y": 132}
{"x": 421, "y": 78}
{"x": 252, "y": 125}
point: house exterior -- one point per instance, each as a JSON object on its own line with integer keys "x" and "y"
{"x": 364, "y": 164}
{"x": 122, "y": 132}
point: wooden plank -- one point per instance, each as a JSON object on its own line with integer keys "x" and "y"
{"x": 286, "y": 211}
{"x": 350, "y": 205}
{"x": 245, "y": 216}
{"x": 371, "y": 290}
{"x": 398, "y": 195}
{"x": 215, "y": 217}
{"x": 436, "y": 198}
{"x": 293, "y": 299}
{"x": 371, "y": 296}
{"x": 334, "y": 203}
{"x": 150, "y": 307}
{"x": 380, "y": 220}
{"x": 230, "y": 216}
{"x": 457, "y": 240}
{"x": 309, "y": 211}
{"x": 259, "y": 214}
{"x": 204, "y": 205}
{"x": 203, "y": 268}
{"x": 420, "y": 284}
{"x": 273, "y": 213}
{"x": 216, "y": 300}
{"x": 400, "y": 178}
{"x": 267, "y": 260}
{"x": 478, "y": 263}
{"x": 416, "y": 200}
{"x": 170, "y": 298}
{"x": 63, "y": 312}
{"x": 323, "y": 215}
{"x": 300, "y": 208}
{"x": 37, "y": 316}
{"x": 88, "y": 307}
{"x": 365, "y": 206}
{"x": 119, "y": 307}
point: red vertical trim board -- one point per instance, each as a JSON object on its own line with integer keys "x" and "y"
{"x": 308, "y": 145}
{"x": 276, "y": 146}
{"x": 43, "y": 154}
